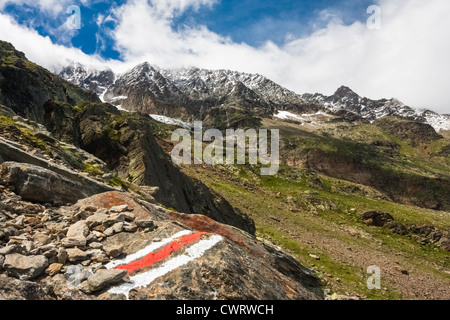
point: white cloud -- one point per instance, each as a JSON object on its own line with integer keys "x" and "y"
{"x": 407, "y": 58}
{"x": 41, "y": 49}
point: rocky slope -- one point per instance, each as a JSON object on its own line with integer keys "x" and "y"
{"x": 84, "y": 192}
{"x": 92, "y": 250}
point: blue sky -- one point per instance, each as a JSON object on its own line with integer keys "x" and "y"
{"x": 253, "y": 22}
{"x": 304, "y": 45}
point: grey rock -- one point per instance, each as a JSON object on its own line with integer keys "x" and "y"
{"x": 114, "y": 250}
{"x": 105, "y": 278}
{"x": 113, "y": 219}
{"x": 116, "y": 228}
{"x": 8, "y": 249}
{"x": 96, "y": 245}
{"x": 75, "y": 254}
{"x": 25, "y": 267}
{"x": 73, "y": 242}
{"x": 76, "y": 274}
{"x": 97, "y": 255}
{"x": 145, "y": 224}
{"x": 62, "y": 256}
{"x": 119, "y": 209}
{"x": 78, "y": 230}
{"x": 34, "y": 183}
{"x": 96, "y": 219}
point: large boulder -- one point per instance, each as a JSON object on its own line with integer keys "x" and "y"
{"x": 34, "y": 183}
{"x": 25, "y": 267}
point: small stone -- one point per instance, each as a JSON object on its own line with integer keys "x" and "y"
{"x": 62, "y": 256}
{"x": 114, "y": 251}
{"x": 118, "y": 227}
{"x": 100, "y": 235}
{"x": 314, "y": 256}
{"x": 91, "y": 209}
{"x": 2, "y": 260}
{"x": 96, "y": 219}
{"x": 78, "y": 230}
{"x": 130, "y": 227}
{"x": 119, "y": 209}
{"x": 76, "y": 274}
{"x": 76, "y": 255}
{"x": 145, "y": 224}
{"x": 109, "y": 232}
{"x": 96, "y": 245}
{"x": 73, "y": 242}
{"x": 129, "y": 216}
{"x": 42, "y": 238}
{"x": 97, "y": 255}
{"x": 86, "y": 263}
{"x": 8, "y": 249}
{"x": 105, "y": 278}
{"x": 20, "y": 221}
{"x": 54, "y": 269}
{"x": 113, "y": 219}
{"x": 25, "y": 267}
{"x": 28, "y": 245}
{"x": 91, "y": 238}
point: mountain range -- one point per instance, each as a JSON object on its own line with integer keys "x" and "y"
{"x": 192, "y": 93}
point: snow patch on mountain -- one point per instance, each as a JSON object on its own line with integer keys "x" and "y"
{"x": 172, "y": 121}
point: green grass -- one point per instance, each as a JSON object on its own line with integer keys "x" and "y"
{"x": 92, "y": 170}
{"x": 286, "y": 198}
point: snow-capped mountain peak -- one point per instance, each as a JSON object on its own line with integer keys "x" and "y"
{"x": 189, "y": 93}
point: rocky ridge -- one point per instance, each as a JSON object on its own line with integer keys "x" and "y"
{"x": 345, "y": 99}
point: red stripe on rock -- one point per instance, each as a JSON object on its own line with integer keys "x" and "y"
{"x": 162, "y": 254}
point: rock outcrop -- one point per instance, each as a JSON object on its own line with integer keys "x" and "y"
{"x": 33, "y": 183}
{"x": 25, "y": 86}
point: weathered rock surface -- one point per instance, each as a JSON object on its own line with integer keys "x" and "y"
{"x": 104, "y": 278}
{"x": 34, "y": 183}
{"x": 25, "y": 267}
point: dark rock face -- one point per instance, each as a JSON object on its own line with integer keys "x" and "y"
{"x": 378, "y": 219}
{"x": 25, "y": 86}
